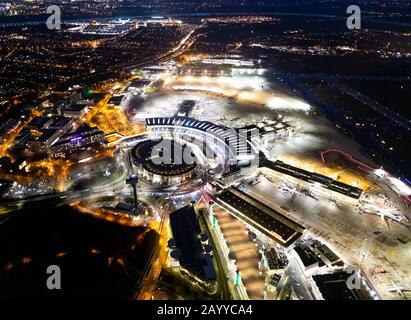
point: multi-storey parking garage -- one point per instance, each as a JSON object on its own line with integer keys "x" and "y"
{"x": 164, "y": 161}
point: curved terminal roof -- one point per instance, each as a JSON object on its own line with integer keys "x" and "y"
{"x": 237, "y": 143}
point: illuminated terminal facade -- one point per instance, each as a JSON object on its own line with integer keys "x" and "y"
{"x": 233, "y": 146}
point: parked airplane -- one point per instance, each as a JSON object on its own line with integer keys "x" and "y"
{"x": 398, "y": 290}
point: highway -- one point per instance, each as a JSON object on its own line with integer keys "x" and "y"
{"x": 374, "y": 105}
{"x": 185, "y": 43}
{"x": 146, "y": 286}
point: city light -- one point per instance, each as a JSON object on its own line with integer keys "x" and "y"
{"x": 210, "y": 152}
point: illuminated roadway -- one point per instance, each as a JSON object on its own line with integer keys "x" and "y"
{"x": 145, "y": 288}
{"x": 185, "y": 43}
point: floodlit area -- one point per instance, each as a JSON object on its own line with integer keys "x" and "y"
{"x": 231, "y": 99}
{"x": 312, "y": 135}
{"x": 345, "y": 229}
{"x": 239, "y": 99}
{"x": 205, "y": 151}
{"x": 236, "y": 100}
{"x": 244, "y": 89}
{"x": 310, "y": 175}
{"x": 336, "y": 171}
